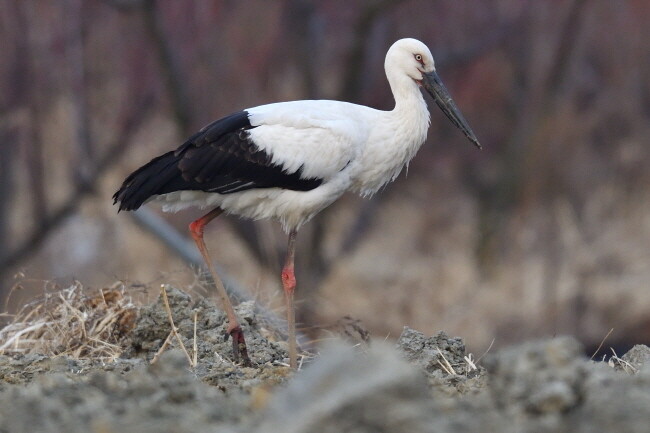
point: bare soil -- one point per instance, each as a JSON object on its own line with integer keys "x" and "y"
{"x": 421, "y": 384}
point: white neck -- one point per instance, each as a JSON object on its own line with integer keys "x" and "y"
{"x": 406, "y": 92}
{"x": 399, "y": 135}
{"x": 410, "y": 108}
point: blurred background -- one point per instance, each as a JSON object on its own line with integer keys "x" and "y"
{"x": 544, "y": 232}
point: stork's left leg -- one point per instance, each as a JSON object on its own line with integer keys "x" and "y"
{"x": 289, "y": 285}
{"x": 234, "y": 330}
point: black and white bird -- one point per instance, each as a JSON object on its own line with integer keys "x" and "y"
{"x": 289, "y": 160}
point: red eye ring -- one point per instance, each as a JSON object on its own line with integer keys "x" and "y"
{"x": 418, "y": 57}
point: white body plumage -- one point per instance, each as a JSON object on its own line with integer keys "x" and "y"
{"x": 350, "y": 147}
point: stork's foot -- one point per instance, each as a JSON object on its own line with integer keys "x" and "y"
{"x": 239, "y": 349}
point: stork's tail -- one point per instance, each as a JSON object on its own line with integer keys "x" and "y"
{"x": 147, "y": 181}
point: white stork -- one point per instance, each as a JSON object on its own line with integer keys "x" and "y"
{"x": 290, "y": 160}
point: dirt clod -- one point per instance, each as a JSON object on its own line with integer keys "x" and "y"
{"x": 638, "y": 357}
{"x": 444, "y": 361}
{"x": 538, "y": 378}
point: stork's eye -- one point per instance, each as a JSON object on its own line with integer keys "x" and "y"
{"x": 418, "y": 57}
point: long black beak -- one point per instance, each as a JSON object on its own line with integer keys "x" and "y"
{"x": 432, "y": 83}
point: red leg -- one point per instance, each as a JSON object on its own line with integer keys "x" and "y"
{"x": 234, "y": 330}
{"x": 289, "y": 285}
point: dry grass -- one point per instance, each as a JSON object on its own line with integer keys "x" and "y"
{"x": 74, "y": 322}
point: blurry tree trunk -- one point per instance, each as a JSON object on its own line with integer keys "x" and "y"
{"x": 14, "y": 93}
{"x": 532, "y": 109}
{"x": 83, "y": 159}
{"x": 7, "y": 141}
{"x": 35, "y": 163}
{"x": 169, "y": 66}
{"x": 306, "y": 37}
{"x": 357, "y": 56}
{"x": 553, "y": 253}
{"x": 34, "y": 158}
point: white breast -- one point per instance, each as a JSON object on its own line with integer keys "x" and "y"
{"x": 392, "y": 144}
{"x": 322, "y": 137}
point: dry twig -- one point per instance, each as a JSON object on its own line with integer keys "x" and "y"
{"x": 163, "y": 347}
{"x": 485, "y": 353}
{"x": 446, "y": 365}
{"x": 194, "y": 343}
{"x": 163, "y": 292}
{"x": 601, "y": 344}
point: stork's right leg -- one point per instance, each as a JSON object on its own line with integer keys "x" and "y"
{"x": 289, "y": 285}
{"x": 234, "y": 330}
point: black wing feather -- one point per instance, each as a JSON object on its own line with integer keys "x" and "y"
{"x": 219, "y": 158}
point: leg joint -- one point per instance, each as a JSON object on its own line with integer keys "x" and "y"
{"x": 196, "y": 228}
{"x": 288, "y": 280}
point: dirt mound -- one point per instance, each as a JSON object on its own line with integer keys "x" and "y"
{"x": 213, "y": 351}
{"x": 550, "y": 386}
{"x": 164, "y": 397}
{"x": 152, "y": 328}
{"x": 59, "y": 392}
{"x": 545, "y": 386}
{"x": 423, "y": 384}
{"x": 23, "y": 369}
{"x": 148, "y": 332}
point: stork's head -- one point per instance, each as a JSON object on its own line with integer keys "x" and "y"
{"x": 410, "y": 58}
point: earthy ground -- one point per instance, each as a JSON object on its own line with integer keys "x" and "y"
{"x": 421, "y": 384}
